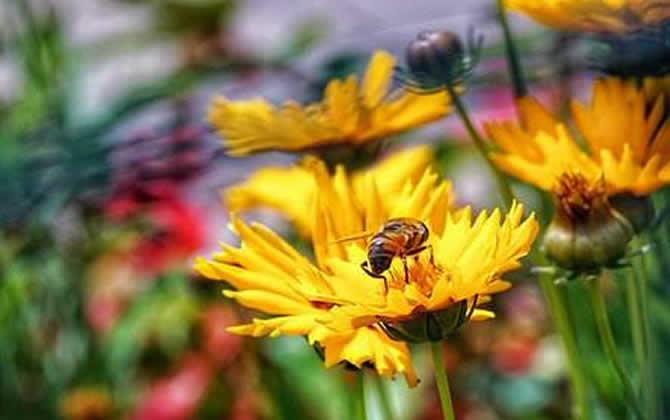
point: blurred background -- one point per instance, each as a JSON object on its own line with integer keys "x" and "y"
{"x": 110, "y": 185}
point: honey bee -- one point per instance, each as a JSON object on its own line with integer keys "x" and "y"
{"x": 399, "y": 237}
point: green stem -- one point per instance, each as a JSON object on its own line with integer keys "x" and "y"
{"x": 442, "y": 382}
{"x": 384, "y": 397}
{"x": 609, "y": 345}
{"x": 519, "y": 82}
{"x": 361, "y": 409}
{"x": 647, "y": 368}
{"x": 636, "y": 320}
{"x": 501, "y": 180}
{"x": 564, "y": 328}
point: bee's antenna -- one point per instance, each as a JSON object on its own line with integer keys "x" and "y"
{"x": 356, "y": 237}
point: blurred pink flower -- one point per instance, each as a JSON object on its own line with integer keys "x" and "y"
{"x": 178, "y": 233}
{"x": 177, "y": 396}
{"x": 514, "y": 354}
{"x": 221, "y": 346}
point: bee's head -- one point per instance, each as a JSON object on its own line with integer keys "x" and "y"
{"x": 379, "y": 263}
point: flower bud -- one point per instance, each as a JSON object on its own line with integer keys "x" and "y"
{"x": 437, "y": 59}
{"x": 591, "y": 230}
{"x": 428, "y": 326}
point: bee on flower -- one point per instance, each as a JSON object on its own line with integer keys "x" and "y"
{"x": 315, "y": 299}
{"x": 272, "y": 277}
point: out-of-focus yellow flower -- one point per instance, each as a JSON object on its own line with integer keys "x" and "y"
{"x": 292, "y": 190}
{"x": 615, "y": 16}
{"x": 87, "y": 403}
{"x": 350, "y": 113}
{"x": 270, "y": 276}
{"x": 470, "y": 258}
{"x": 601, "y": 193}
{"x": 627, "y": 135}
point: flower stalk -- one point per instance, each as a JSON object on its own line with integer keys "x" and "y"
{"x": 361, "y": 408}
{"x": 503, "y": 185}
{"x": 647, "y": 365}
{"x": 564, "y": 328}
{"x": 513, "y": 60}
{"x": 383, "y": 392}
{"x": 609, "y": 345}
{"x": 442, "y": 381}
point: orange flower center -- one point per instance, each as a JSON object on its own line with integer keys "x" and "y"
{"x": 420, "y": 271}
{"x": 577, "y": 197}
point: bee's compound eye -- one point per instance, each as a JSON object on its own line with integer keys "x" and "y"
{"x": 380, "y": 264}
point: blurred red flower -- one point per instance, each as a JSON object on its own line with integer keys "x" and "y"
{"x": 177, "y": 233}
{"x": 177, "y": 396}
{"x": 221, "y": 346}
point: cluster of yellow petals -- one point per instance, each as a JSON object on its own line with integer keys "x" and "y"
{"x": 333, "y": 302}
{"x": 629, "y": 154}
{"x": 272, "y": 277}
{"x": 471, "y": 254}
{"x": 613, "y": 16}
{"x": 292, "y": 190}
{"x": 350, "y": 113}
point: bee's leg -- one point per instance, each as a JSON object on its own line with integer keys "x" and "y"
{"x": 473, "y": 307}
{"x": 404, "y": 263}
{"x": 421, "y": 248}
{"x": 364, "y": 266}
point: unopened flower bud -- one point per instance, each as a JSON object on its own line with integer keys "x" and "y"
{"x": 428, "y": 326}
{"x": 437, "y": 59}
{"x": 590, "y": 229}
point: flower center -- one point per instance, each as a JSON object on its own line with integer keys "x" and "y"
{"x": 421, "y": 272}
{"x": 577, "y": 197}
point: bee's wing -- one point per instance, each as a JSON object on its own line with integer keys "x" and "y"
{"x": 355, "y": 237}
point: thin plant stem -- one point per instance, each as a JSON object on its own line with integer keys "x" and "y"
{"x": 649, "y": 385}
{"x": 636, "y": 320}
{"x": 609, "y": 345}
{"x": 501, "y": 180}
{"x": 384, "y": 397}
{"x": 442, "y": 381}
{"x": 565, "y": 330}
{"x": 361, "y": 406}
{"x": 513, "y": 61}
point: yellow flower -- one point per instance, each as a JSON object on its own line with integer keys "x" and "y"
{"x": 350, "y": 113}
{"x": 627, "y": 136}
{"x": 87, "y": 403}
{"x": 469, "y": 259}
{"x": 615, "y": 16}
{"x": 291, "y": 190}
{"x": 271, "y": 277}
{"x": 601, "y": 193}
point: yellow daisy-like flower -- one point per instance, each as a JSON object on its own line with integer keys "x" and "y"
{"x": 292, "y": 190}
{"x": 614, "y": 16}
{"x": 601, "y": 193}
{"x": 270, "y": 276}
{"x": 445, "y": 284}
{"x": 627, "y": 135}
{"x": 350, "y": 113}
